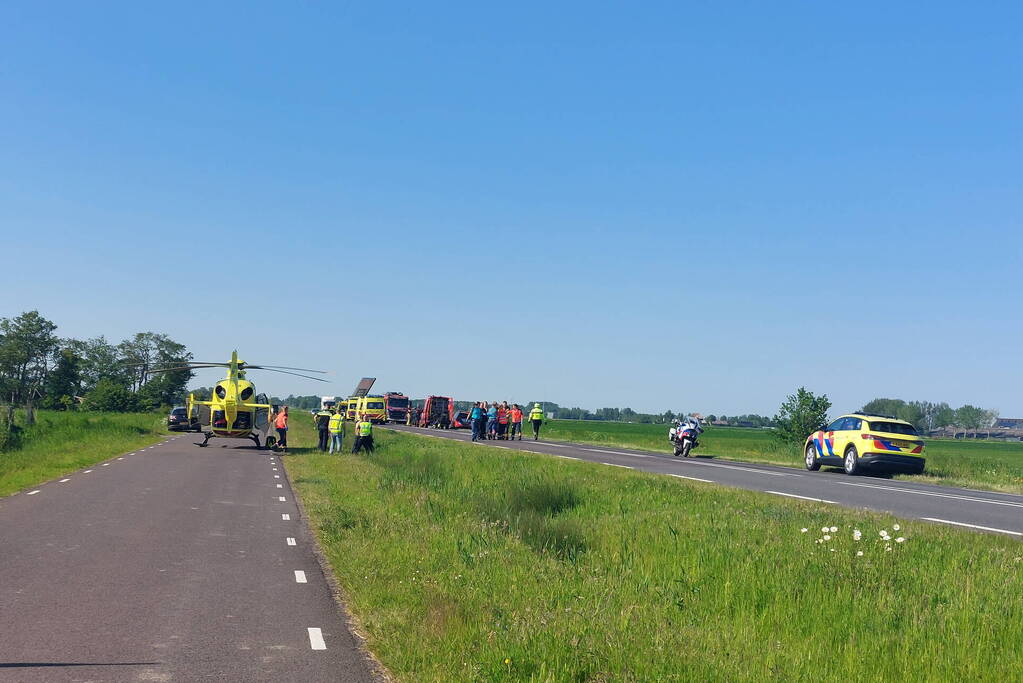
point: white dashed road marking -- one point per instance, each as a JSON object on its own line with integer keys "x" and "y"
{"x": 973, "y": 526}
{"x": 63, "y": 480}
{"x": 106, "y": 464}
{"x": 282, "y": 499}
{"x": 280, "y": 486}
{"x": 300, "y": 576}
{"x": 32, "y": 493}
{"x": 316, "y": 639}
{"x": 86, "y": 471}
{"x": 792, "y": 495}
{"x": 277, "y": 476}
{"x": 624, "y": 467}
{"x": 291, "y": 541}
{"x": 285, "y": 516}
{"x": 682, "y": 476}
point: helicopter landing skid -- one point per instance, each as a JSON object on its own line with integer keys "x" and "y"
{"x": 255, "y": 437}
{"x": 207, "y": 436}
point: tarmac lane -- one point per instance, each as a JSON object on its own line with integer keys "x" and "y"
{"x": 173, "y": 563}
{"x": 981, "y": 511}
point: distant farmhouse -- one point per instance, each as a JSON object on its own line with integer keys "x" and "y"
{"x": 1005, "y": 428}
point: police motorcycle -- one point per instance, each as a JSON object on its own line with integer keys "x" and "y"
{"x": 683, "y": 435}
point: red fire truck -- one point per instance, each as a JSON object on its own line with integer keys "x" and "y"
{"x": 396, "y": 407}
{"x": 438, "y": 411}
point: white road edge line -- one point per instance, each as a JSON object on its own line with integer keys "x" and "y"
{"x": 936, "y": 495}
{"x": 682, "y": 476}
{"x": 624, "y": 467}
{"x": 973, "y": 526}
{"x": 106, "y": 464}
{"x": 63, "y": 480}
{"x": 32, "y": 493}
{"x": 291, "y": 541}
{"x": 316, "y": 639}
{"x": 300, "y": 576}
{"x": 792, "y": 495}
{"x": 86, "y": 471}
{"x": 285, "y": 516}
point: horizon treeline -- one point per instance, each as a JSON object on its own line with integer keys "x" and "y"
{"x": 39, "y": 368}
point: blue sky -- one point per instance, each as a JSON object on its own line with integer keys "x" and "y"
{"x": 694, "y": 206}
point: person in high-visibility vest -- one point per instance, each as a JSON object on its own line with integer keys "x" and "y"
{"x": 336, "y": 427}
{"x": 536, "y": 417}
{"x": 363, "y": 435}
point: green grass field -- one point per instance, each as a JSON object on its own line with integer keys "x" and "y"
{"x": 466, "y": 563}
{"x": 991, "y": 465}
{"x": 62, "y": 442}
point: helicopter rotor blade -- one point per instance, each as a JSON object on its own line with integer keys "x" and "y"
{"x": 285, "y": 372}
{"x": 283, "y": 367}
{"x": 182, "y": 367}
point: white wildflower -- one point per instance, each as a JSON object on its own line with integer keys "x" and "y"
{"x": 896, "y": 527}
{"x": 825, "y": 529}
{"x": 832, "y": 550}
{"x": 857, "y": 534}
{"x": 834, "y": 529}
{"x": 827, "y": 537}
{"x": 803, "y": 530}
{"x": 900, "y": 539}
{"x": 859, "y": 553}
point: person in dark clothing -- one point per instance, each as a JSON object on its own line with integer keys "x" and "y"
{"x": 322, "y": 420}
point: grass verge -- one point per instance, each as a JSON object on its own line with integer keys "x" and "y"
{"x": 470, "y": 563}
{"x": 62, "y": 442}
{"x": 994, "y": 465}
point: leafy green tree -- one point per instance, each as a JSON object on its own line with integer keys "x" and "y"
{"x": 971, "y": 417}
{"x": 801, "y": 414}
{"x": 27, "y": 343}
{"x": 712, "y": 418}
{"x": 884, "y": 406}
{"x": 64, "y": 382}
{"x": 110, "y": 396}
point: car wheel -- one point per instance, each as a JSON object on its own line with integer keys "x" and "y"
{"x": 811, "y": 458}
{"x": 851, "y": 463}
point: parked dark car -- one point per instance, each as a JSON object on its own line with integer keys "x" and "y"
{"x": 178, "y": 421}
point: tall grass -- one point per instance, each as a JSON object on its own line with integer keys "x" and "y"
{"x": 62, "y": 442}
{"x": 996, "y": 465}
{"x": 665, "y": 580}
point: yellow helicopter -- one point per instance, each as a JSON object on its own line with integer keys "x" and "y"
{"x": 235, "y": 411}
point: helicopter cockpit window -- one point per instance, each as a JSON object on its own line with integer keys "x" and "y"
{"x": 246, "y": 393}
{"x": 220, "y": 392}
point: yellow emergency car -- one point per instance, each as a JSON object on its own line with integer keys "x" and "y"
{"x": 860, "y": 441}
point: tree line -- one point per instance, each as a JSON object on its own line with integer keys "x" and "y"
{"x": 39, "y": 368}
{"x": 926, "y": 416}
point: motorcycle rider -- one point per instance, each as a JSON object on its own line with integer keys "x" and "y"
{"x": 691, "y": 423}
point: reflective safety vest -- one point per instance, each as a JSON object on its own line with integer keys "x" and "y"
{"x": 536, "y": 414}
{"x": 365, "y": 428}
{"x": 336, "y": 424}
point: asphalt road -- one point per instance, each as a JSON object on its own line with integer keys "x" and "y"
{"x": 967, "y": 508}
{"x": 173, "y": 563}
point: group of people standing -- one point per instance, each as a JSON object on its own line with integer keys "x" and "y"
{"x": 499, "y": 421}
{"x": 330, "y": 425}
